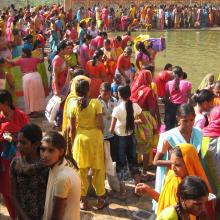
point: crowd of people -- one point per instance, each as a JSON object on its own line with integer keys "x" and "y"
{"x": 108, "y": 125}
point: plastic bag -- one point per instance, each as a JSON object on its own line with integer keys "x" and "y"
{"x": 52, "y": 108}
{"x": 109, "y": 167}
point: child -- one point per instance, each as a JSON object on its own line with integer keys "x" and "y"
{"x": 63, "y": 187}
{"x": 28, "y": 176}
{"x": 114, "y": 86}
{"x": 108, "y": 104}
{"x": 123, "y": 125}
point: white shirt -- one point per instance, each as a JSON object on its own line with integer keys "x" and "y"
{"x": 63, "y": 182}
{"x": 107, "y": 114}
{"x": 120, "y": 114}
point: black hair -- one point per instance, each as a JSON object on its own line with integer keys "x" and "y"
{"x": 82, "y": 90}
{"x": 177, "y": 152}
{"x": 27, "y": 52}
{"x": 184, "y": 75}
{"x": 62, "y": 45}
{"x": 192, "y": 187}
{"x": 2, "y": 60}
{"x": 87, "y": 37}
{"x": 185, "y": 109}
{"x": 203, "y": 95}
{"x": 32, "y": 132}
{"x": 96, "y": 56}
{"x": 56, "y": 140}
{"x": 140, "y": 46}
{"x": 107, "y": 41}
{"x": 78, "y": 71}
{"x": 36, "y": 44}
{"x": 167, "y": 66}
{"x": 125, "y": 93}
{"x": 105, "y": 86}
{"x": 118, "y": 38}
{"x": 149, "y": 67}
{"x": 6, "y": 98}
{"x": 178, "y": 72}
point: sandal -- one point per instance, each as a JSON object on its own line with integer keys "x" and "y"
{"x": 84, "y": 205}
{"x": 101, "y": 203}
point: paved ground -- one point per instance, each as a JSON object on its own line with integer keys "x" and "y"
{"x": 116, "y": 209}
{"x": 132, "y": 207}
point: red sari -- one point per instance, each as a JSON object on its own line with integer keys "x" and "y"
{"x": 14, "y": 126}
{"x": 141, "y": 91}
{"x": 96, "y": 73}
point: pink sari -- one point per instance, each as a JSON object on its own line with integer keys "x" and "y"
{"x": 213, "y": 129}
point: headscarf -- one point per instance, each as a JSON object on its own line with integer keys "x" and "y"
{"x": 194, "y": 168}
{"x": 205, "y": 82}
{"x": 213, "y": 129}
{"x": 141, "y": 87}
{"x": 72, "y": 95}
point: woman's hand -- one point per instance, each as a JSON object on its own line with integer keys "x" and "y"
{"x": 141, "y": 189}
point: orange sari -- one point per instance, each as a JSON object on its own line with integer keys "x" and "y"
{"x": 96, "y": 74}
{"x": 193, "y": 165}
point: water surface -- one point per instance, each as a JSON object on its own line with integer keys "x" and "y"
{"x": 196, "y": 51}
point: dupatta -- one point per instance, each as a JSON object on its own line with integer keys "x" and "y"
{"x": 194, "y": 168}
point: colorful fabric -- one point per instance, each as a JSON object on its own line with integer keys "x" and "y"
{"x": 174, "y": 137}
{"x": 145, "y": 134}
{"x": 13, "y": 127}
{"x": 205, "y": 82}
{"x": 32, "y": 64}
{"x": 41, "y": 69}
{"x": 71, "y": 97}
{"x": 168, "y": 213}
{"x": 88, "y": 148}
{"x": 161, "y": 80}
{"x": 34, "y": 96}
{"x": 213, "y": 129}
{"x": 194, "y": 168}
{"x": 141, "y": 91}
{"x": 96, "y": 73}
{"x": 59, "y": 64}
{"x": 210, "y": 152}
{"x": 178, "y": 96}
{"x": 31, "y": 181}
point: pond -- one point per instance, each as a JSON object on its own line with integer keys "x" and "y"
{"x": 196, "y": 51}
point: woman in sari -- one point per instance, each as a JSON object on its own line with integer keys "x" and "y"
{"x": 96, "y": 71}
{"x": 184, "y": 133}
{"x": 192, "y": 196}
{"x": 184, "y": 162}
{"x": 11, "y": 121}
{"x": 34, "y": 96}
{"x": 78, "y": 75}
{"x": 110, "y": 60}
{"x": 210, "y": 151}
{"x": 142, "y": 94}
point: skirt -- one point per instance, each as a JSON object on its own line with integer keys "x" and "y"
{"x": 34, "y": 96}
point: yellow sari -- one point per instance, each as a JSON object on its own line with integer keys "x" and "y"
{"x": 193, "y": 165}
{"x": 72, "y": 95}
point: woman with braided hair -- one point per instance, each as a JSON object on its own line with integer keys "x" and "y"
{"x": 87, "y": 137}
